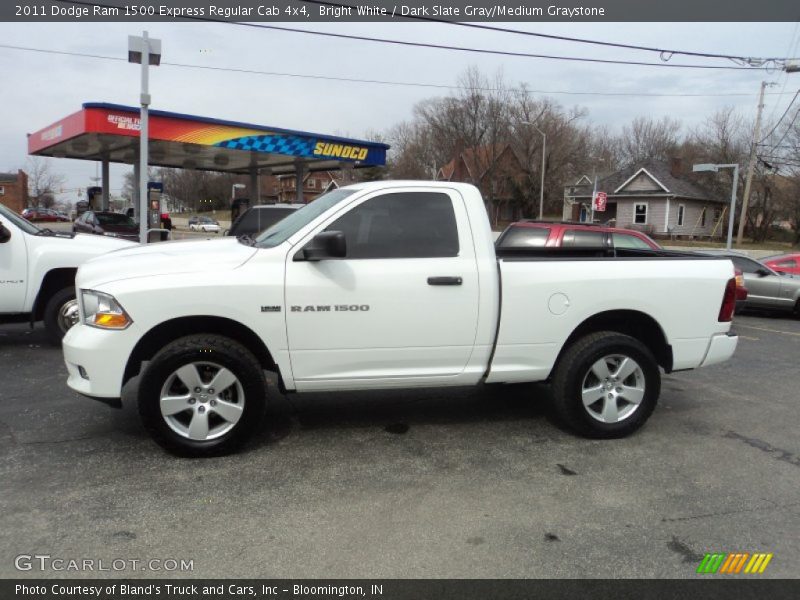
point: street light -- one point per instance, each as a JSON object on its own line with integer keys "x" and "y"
{"x": 144, "y": 51}
{"x": 705, "y": 167}
{"x": 234, "y": 187}
{"x": 544, "y": 148}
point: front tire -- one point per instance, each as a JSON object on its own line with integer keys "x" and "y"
{"x": 202, "y": 395}
{"x": 606, "y": 385}
{"x": 60, "y": 313}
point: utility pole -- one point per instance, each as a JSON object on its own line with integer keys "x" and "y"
{"x": 751, "y": 166}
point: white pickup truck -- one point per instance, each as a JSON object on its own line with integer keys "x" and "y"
{"x": 37, "y": 272}
{"x": 388, "y": 285}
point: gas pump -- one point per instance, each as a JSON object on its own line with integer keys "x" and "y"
{"x": 238, "y": 206}
{"x": 155, "y": 191}
{"x": 94, "y": 195}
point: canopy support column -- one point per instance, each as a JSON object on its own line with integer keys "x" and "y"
{"x": 300, "y": 175}
{"x": 137, "y": 204}
{"x": 105, "y": 182}
{"x": 255, "y": 189}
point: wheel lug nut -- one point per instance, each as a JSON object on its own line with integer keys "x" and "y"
{"x": 197, "y": 390}
{"x": 611, "y": 396}
{"x": 213, "y": 403}
{"x": 192, "y": 400}
{"x": 619, "y": 390}
{"x": 201, "y": 409}
{"x": 210, "y": 390}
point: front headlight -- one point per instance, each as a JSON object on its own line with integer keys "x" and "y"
{"x": 103, "y": 311}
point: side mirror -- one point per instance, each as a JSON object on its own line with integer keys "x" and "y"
{"x": 762, "y": 272}
{"x": 5, "y": 234}
{"x": 328, "y": 244}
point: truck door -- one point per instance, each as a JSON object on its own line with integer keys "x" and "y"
{"x": 13, "y": 269}
{"x": 403, "y": 303}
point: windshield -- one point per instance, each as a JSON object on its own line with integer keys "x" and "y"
{"x": 23, "y": 224}
{"x": 283, "y": 230}
{"x": 115, "y": 219}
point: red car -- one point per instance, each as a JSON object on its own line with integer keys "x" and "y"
{"x": 43, "y": 215}
{"x": 565, "y": 234}
{"x": 784, "y": 263}
{"x": 558, "y": 234}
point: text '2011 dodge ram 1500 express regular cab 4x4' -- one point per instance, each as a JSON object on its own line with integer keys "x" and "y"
{"x": 388, "y": 285}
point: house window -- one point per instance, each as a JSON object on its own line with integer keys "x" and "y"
{"x": 2, "y": 191}
{"x": 681, "y": 214}
{"x": 312, "y": 184}
{"x": 703, "y": 217}
{"x": 640, "y": 213}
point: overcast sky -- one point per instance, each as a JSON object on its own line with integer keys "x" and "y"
{"x": 38, "y": 89}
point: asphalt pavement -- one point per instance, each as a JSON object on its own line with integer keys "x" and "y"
{"x": 467, "y": 483}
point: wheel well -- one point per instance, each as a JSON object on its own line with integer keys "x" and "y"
{"x": 636, "y": 324}
{"x": 168, "y": 331}
{"x": 53, "y": 281}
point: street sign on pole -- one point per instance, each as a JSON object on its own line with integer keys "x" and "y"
{"x": 599, "y": 203}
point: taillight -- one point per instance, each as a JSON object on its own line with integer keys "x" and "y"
{"x": 728, "y": 302}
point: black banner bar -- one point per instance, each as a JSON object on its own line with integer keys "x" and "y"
{"x": 707, "y": 587}
{"x": 400, "y": 11}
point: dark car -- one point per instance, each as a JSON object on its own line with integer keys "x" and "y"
{"x": 166, "y": 221}
{"x": 565, "y": 234}
{"x": 259, "y": 218}
{"x": 107, "y": 223}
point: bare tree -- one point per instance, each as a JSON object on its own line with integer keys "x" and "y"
{"x": 645, "y": 138}
{"x": 43, "y": 182}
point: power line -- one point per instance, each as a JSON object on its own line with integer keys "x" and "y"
{"x": 788, "y": 128}
{"x": 788, "y": 108}
{"x": 665, "y": 53}
{"x": 406, "y": 43}
{"x": 371, "y": 81}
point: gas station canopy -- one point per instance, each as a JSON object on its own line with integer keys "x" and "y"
{"x": 110, "y": 133}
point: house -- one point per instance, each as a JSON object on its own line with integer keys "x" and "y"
{"x": 283, "y": 188}
{"x": 653, "y": 196}
{"x": 14, "y": 190}
{"x": 494, "y": 169}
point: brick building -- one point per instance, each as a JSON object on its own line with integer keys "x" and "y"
{"x": 14, "y": 190}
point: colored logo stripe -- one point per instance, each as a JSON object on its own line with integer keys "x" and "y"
{"x": 734, "y": 562}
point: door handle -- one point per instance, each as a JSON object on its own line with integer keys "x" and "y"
{"x": 445, "y": 281}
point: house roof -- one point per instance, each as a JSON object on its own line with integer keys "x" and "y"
{"x": 657, "y": 170}
{"x": 477, "y": 160}
{"x": 7, "y": 177}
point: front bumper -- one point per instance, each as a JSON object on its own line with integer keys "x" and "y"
{"x": 96, "y": 360}
{"x": 720, "y": 349}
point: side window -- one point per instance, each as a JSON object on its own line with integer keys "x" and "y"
{"x": 747, "y": 266}
{"x": 623, "y": 240}
{"x": 401, "y": 225}
{"x": 787, "y": 264}
{"x": 525, "y": 237}
{"x": 640, "y": 214}
{"x": 583, "y": 239}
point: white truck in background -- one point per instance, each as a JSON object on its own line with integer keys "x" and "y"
{"x": 37, "y": 272}
{"x": 389, "y": 285}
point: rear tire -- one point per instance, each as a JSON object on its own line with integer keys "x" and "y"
{"x": 606, "y": 385}
{"x": 60, "y": 313}
{"x": 202, "y": 395}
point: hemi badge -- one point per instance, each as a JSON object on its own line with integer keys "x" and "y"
{"x": 270, "y": 309}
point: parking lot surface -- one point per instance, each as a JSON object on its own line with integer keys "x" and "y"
{"x": 467, "y": 483}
